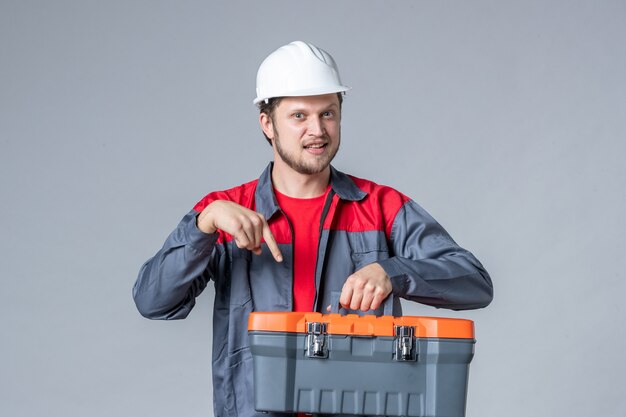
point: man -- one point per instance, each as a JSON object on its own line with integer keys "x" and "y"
{"x": 302, "y": 237}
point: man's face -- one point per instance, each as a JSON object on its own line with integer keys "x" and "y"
{"x": 305, "y": 132}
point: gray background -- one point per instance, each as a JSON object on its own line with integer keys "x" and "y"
{"x": 506, "y": 120}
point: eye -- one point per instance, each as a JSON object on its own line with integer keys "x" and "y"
{"x": 298, "y": 115}
{"x": 328, "y": 114}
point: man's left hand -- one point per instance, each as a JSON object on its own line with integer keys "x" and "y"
{"x": 366, "y": 288}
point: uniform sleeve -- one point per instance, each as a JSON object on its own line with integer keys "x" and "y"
{"x": 430, "y": 268}
{"x": 169, "y": 282}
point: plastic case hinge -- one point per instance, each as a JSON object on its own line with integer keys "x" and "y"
{"x": 405, "y": 348}
{"x": 316, "y": 344}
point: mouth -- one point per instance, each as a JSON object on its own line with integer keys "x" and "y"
{"x": 316, "y": 149}
{"x": 313, "y": 146}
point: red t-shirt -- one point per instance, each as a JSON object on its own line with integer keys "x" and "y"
{"x": 305, "y": 215}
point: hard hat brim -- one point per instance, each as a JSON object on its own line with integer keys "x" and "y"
{"x": 306, "y": 92}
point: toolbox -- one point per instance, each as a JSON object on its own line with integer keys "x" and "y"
{"x": 392, "y": 366}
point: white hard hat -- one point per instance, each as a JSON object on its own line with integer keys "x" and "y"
{"x": 297, "y": 69}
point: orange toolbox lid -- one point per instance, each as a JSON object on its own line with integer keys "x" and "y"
{"x": 352, "y": 324}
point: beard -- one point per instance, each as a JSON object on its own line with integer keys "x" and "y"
{"x": 303, "y": 166}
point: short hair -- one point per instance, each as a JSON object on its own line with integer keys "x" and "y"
{"x": 268, "y": 106}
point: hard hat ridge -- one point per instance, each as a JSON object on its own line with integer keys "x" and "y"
{"x": 297, "y": 69}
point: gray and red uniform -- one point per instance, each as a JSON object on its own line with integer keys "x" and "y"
{"x": 362, "y": 222}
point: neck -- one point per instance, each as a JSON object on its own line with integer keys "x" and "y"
{"x": 294, "y": 184}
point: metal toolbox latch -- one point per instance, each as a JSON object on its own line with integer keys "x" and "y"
{"x": 316, "y": 343}
{"x": 405, "y": 348}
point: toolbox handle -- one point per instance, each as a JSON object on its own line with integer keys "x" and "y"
{"x": 336, "y": 308}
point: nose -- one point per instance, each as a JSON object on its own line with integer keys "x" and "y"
{"x": 316, "y": 127}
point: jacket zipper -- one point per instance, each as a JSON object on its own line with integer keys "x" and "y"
{"x": 293, "y": 253}
{"x": 316, "y": 303}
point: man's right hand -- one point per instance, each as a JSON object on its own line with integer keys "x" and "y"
{"x": 246, "y": 226}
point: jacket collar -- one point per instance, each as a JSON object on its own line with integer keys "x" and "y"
{"x": 265, "y": 200}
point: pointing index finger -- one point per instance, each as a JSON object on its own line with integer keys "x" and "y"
{"x": 271, "y": 242}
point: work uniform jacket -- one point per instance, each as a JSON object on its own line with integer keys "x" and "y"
{"x": 361, "y": 223}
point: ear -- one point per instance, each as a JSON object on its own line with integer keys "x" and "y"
{"x": 266, "y": 125}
